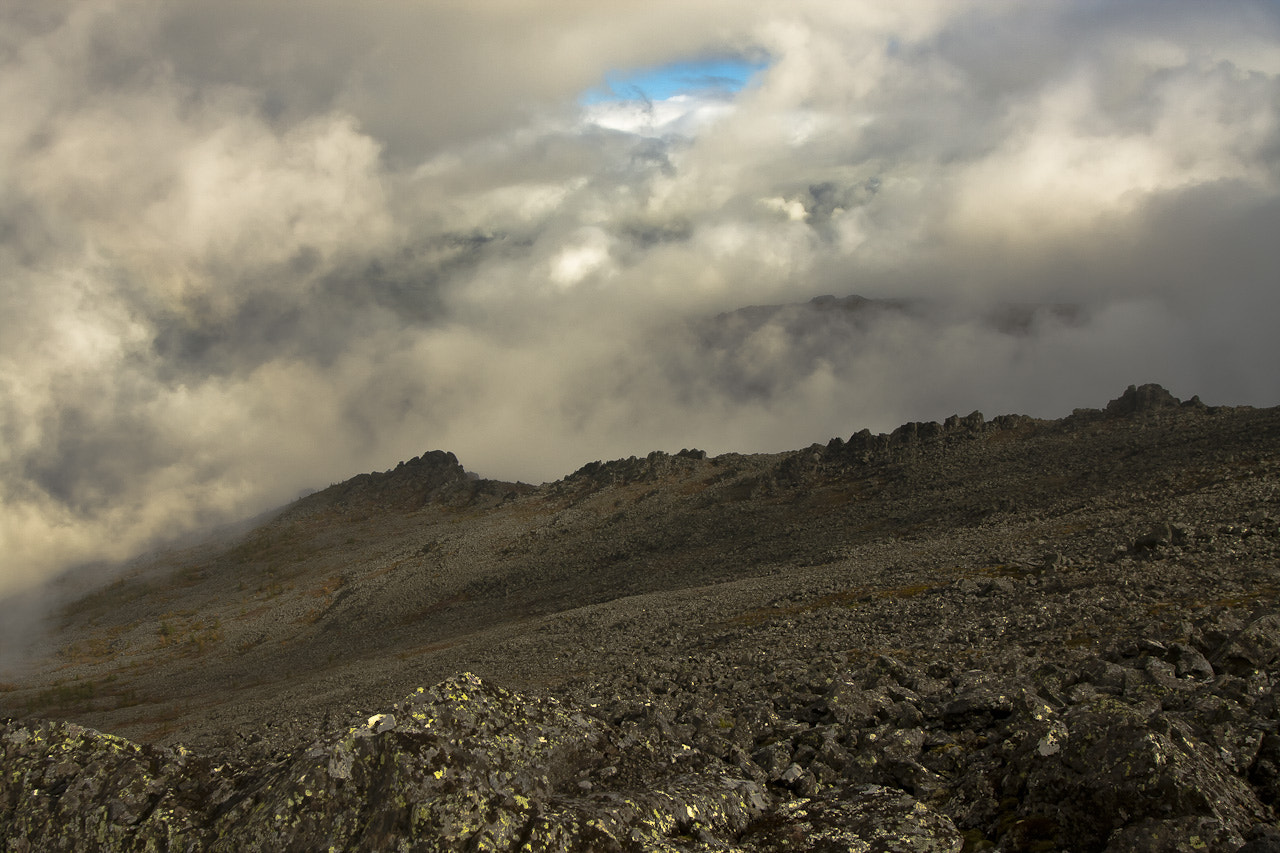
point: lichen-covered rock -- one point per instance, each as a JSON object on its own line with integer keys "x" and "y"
{"x": 1263, "y": 838}
{"x": 858, "y": 819}
{"x": 1099, "y": 769}
{"x": 467, "y": 765}
{"x": 1256, "y": 647}
{"x": 1178, "y": 835}
{"x": 65, "y": 787}
{"x": 462, "y": 766}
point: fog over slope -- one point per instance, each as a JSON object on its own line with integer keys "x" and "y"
{"x": 251, "y": 248}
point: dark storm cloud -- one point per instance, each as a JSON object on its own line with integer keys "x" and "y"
{"x": 250, "y": 248}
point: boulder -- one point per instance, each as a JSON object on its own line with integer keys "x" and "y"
{"x": 1107, "y": 769}
{"x": 462, "y": 766}
{"x": 866, "y": 819}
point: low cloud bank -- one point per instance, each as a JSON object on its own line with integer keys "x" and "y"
{"x": 252, "y": 249}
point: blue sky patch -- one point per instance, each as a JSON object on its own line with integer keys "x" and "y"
{"x": 718, "y": 76}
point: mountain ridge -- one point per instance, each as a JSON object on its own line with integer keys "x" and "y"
{"x": 956, "y": 575}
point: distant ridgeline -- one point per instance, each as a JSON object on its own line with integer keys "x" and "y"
{"x": 435, "y": 477}
{"x": 1147, "y": 399}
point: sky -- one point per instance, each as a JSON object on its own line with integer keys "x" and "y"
{"x": 700, "y": 76}
{"x": 252, "y": 248}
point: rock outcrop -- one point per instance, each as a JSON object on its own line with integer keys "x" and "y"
{"x": 1126, "y": 755}
{"x": 434, "y": 477}
{"x": 462, "y": 766}
{"x": 1142, "y": 399}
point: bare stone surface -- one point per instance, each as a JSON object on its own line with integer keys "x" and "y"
{"x": 1002, "y": 633}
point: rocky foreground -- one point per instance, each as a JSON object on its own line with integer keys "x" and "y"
{"x": 1013, "y": 634}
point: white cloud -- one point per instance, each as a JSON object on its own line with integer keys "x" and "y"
{"x": 251, "y": 248}
{"x": 588, "y": 254}
{"x": 679, "y": 115}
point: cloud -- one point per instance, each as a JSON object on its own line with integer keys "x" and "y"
{"x": 255, "y": 248}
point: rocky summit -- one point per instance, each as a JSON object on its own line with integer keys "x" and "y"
{"x": 977, "y": 634}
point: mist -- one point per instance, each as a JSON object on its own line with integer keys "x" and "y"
{"x": 249, "y": 249}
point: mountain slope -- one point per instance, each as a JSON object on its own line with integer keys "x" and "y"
{"x": 1125, "y": 553}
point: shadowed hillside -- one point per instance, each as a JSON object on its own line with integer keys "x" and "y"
{"x": 1028, "y": 634}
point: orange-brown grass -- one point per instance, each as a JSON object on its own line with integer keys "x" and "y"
{"x": 80, "y": 696}
{"x": 837, "y": 496}
{"x": 161, "y": 722}
{"x": 388, "y": 569}
{"x": 693, "y": 487}
{"x": 94, "y": 650}
{"x": 188, "y": 635}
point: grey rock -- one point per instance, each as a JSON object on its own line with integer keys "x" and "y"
{"x": 65, "y": 787}
{"x": 464, "y": 765}
{"x": 1263, "y": 838}
{"x": 1177, "y": 835}
{"x": 1138, "y": 399}
{"x": 870, "y": 818}
{"x": 1256, "y": 647}
{"x": 683, "y": 632}
{"x": 1157, "y": 536}
{"x": 1189, "y": 663}
{"x": 1114, "y": 769}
